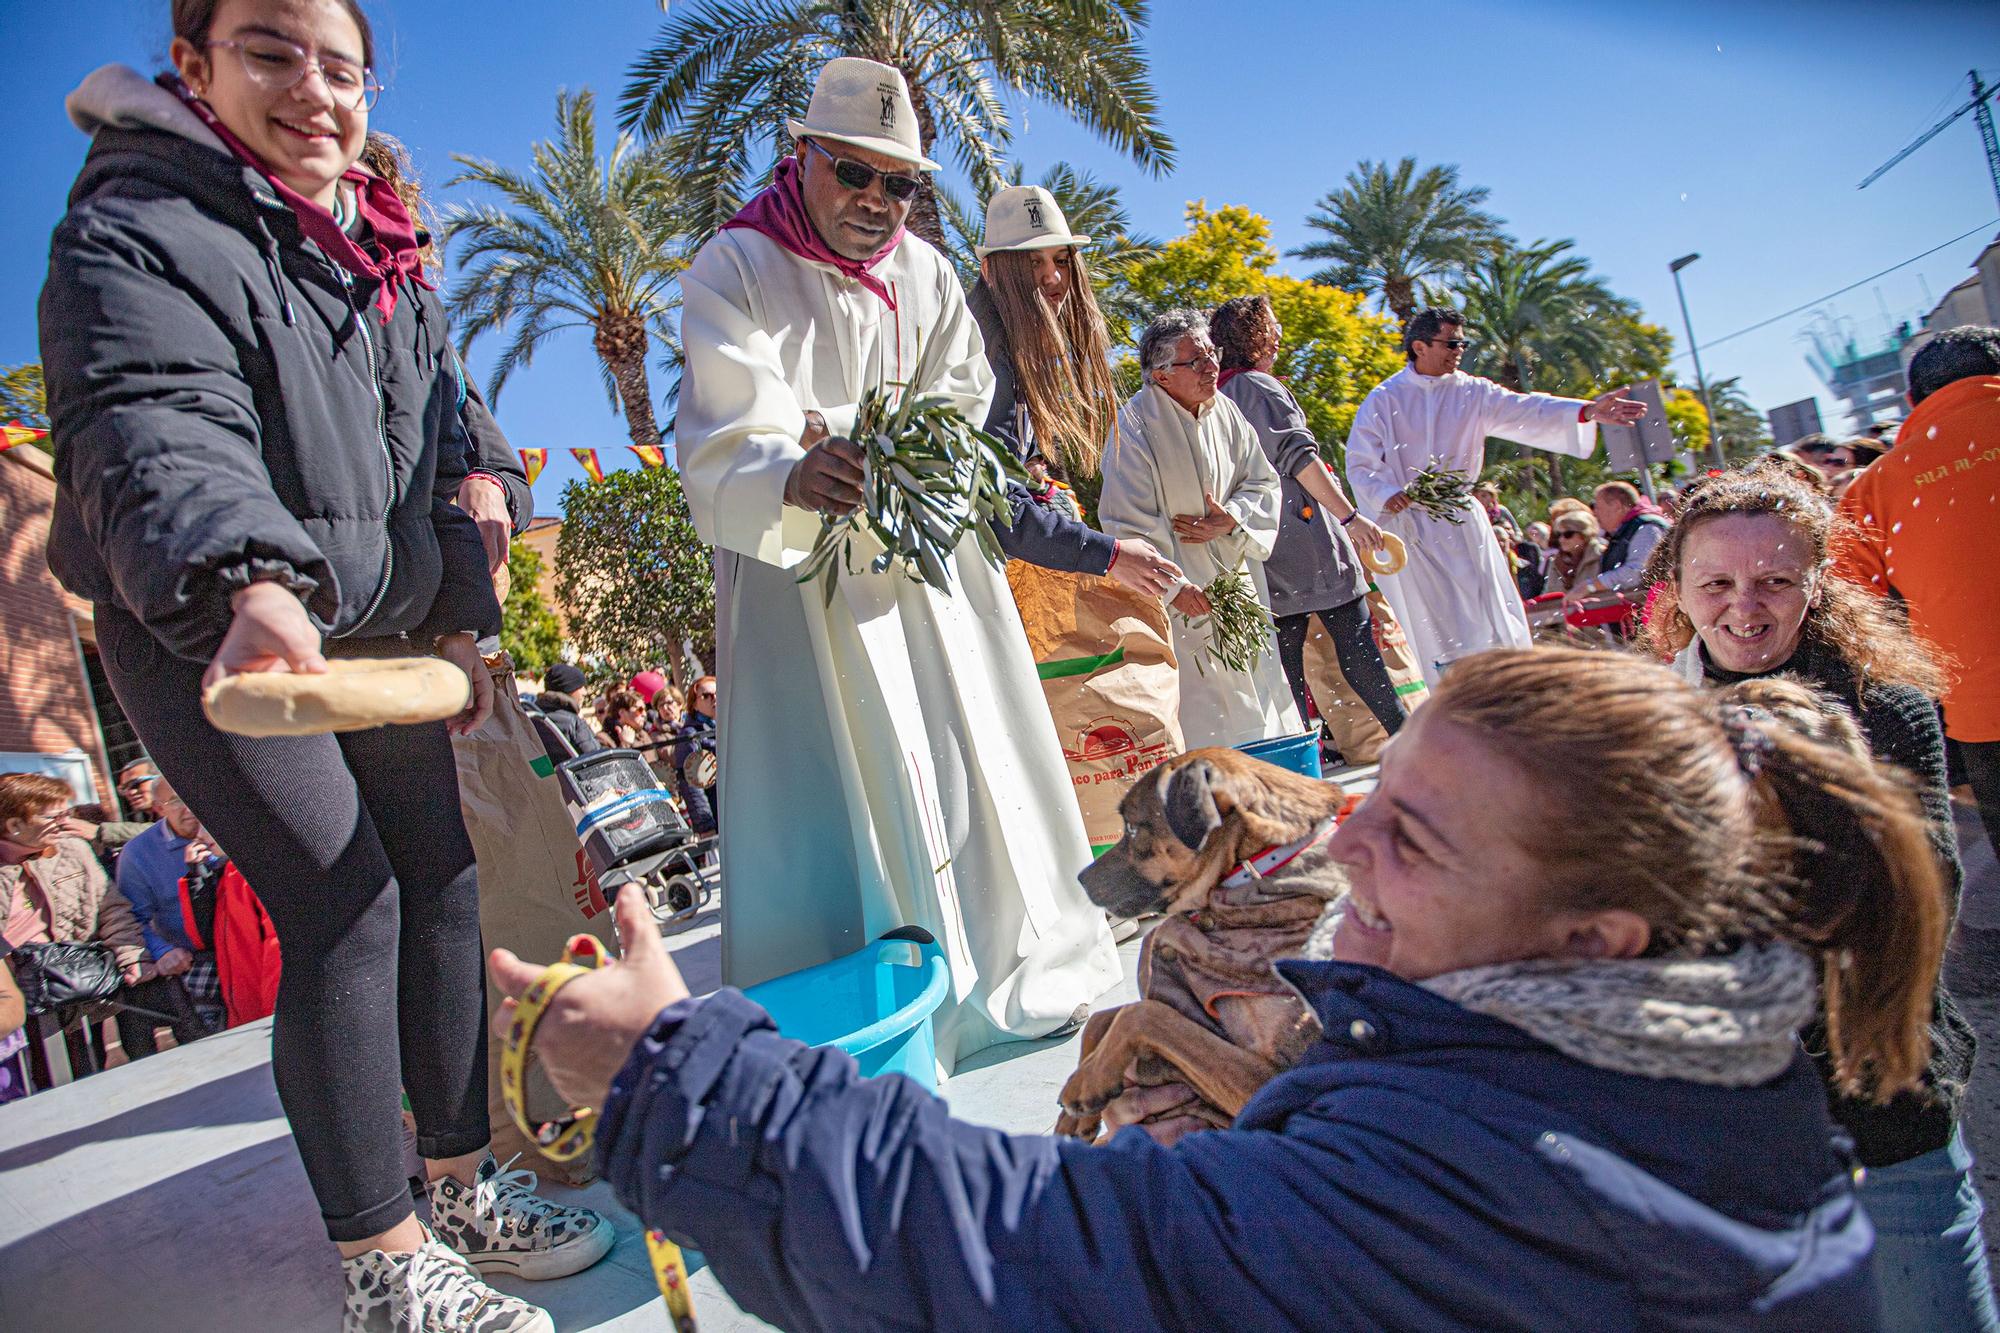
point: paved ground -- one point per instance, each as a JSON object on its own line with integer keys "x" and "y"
{"x": 1973, "y": 972}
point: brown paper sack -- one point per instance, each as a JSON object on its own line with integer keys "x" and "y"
{"x": 535, "y": 889}
{"x": 1108, "y": 674}
{"x": 1355, "y": 732}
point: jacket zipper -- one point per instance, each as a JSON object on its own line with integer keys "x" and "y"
{"x": 388, "y": 461}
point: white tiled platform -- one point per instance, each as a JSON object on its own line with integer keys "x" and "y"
{"x": 165, "y": 1196}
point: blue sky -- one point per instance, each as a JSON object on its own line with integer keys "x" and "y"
{"x": 1643, "y": 131}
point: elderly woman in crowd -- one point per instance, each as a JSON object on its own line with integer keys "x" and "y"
{"x": 1497, "y": 1130}
{"x": 1748, "y": 594}
{"x": 1189, "y": 475}
{"x": 1315, "y": 567}
{"x": 1579, "y": 548}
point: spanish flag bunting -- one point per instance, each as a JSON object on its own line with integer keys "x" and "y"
{"x": 588, "y": 457}
{"x": 534, "y": 460}
{"x": 14, "y": 433}
{"x": 652, "y": 455}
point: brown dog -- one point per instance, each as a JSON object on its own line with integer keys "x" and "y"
{"x": 1216, "y": 1023}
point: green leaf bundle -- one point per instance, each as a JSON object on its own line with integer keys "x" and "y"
{"x": 1440, "y": 492}
{"x": 929, "y": 477}
{"x": 1238, "y": 624}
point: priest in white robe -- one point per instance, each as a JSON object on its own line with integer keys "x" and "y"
{"x": 1455, "y": 596}
{"x": 885, "y": 760}
{"x": 1186, "y": 472}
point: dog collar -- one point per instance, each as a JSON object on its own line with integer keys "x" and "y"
{"x": 1264, "y": 862}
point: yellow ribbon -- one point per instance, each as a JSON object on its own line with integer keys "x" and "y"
{"x": 568, "y": 1137}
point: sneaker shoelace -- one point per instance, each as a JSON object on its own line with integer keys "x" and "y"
{"x": 513, "y": 1191}
{"x": 443, "y": 1293}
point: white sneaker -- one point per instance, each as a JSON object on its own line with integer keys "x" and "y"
{"x": 501, "y": 1225}
{"x": 431, "y": 1290}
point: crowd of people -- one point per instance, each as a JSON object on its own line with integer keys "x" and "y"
{"x": 1615, "y": 1068}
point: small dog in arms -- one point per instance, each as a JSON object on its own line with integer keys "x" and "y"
{"x": 1232, "y": 851}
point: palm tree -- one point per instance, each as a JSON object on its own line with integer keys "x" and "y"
{"x": 723, "y": 76}
{"x": 581, "y": 242}
{"x": 1535, "y": 315}
{"x": 1092, "y": 207}
{"x": 1389, "y": 228}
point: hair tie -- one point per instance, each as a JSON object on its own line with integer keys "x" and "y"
{"x": 1743, "y": 725}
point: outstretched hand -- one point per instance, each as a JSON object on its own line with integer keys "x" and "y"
{"x": 592, "y": 1024}
{"x": 1616, "y": 408}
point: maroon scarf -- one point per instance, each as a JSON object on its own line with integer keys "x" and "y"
{"x": 381, "y": 208}
{"x": 779, "y": 212}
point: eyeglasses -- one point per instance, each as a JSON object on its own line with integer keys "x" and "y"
{"x": 277, "y": 66}
{"x": 1205, "y": 356}
{"x": 857, "y": 175}
{"x": 138, "y": 784}
{"x": 1455, "y": 344}
{"x": 1565, "y": 536}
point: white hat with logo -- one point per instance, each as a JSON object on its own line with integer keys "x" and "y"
{"x": 1025, "y": 217}
{"x": 867, "y": 104}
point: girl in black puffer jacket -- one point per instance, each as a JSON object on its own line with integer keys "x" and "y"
{"x": 258, "y": 434}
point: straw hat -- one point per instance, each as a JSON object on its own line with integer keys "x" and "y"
{"x": 867, "y": 104}
{"x": 1025, "y": 217}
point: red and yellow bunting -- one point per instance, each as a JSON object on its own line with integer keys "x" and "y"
{"x": 652, "y": 455}
{"x": 533, "y": 461}
{"x": 588, "y": 458}
{"x": 14, "y": 433}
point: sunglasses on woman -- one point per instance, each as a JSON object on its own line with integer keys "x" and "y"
{"x": 857, "y": 175}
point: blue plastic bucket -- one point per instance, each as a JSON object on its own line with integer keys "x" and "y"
{"x": 875, "y": 1004}
{"x": 1299, "y": 753}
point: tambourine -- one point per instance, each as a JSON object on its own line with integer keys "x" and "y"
{"x": 1390, "y": 559}
{"x": 568, "y": 1137}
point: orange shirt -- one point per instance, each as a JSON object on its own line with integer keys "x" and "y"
{"x": 1927, "y": 527}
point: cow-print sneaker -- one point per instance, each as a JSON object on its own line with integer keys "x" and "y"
{"x": 501, "y": 1225}
{"x": 432, "y": 1290}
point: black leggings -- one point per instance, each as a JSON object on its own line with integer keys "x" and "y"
{"x": 162, "y": 995}
{"x": 356, "y": 846}
{"x": 1354, "y": 646}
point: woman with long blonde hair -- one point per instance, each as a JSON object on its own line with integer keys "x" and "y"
{"x": 1052, "y": 390}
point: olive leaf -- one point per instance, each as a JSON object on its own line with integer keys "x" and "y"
{"x": 1238, "y": 624}
{"x": 1440, "y": 492}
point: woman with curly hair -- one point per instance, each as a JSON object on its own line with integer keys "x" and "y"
{"x": 1748, "y": 592}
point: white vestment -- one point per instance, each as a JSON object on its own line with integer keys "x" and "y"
{"x": 887, "y": 760}
{"x": 1162, "y": 464}
{"x": 1456, "y": 596}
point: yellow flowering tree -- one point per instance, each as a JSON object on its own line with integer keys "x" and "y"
{"x": 1334, "y": 352}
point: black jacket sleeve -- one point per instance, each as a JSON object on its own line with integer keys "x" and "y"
{"x": 1053, "y": 540}
{"x": 491, "y": 453}
{"x": 465, "y": 598}
{"x": 158, "y": 442}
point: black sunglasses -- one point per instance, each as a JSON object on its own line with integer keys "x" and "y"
{"x": 1455, "y": 344}
{"x": 856, "y": 175}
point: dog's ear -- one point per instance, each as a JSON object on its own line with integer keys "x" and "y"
{"x": 1190, "y": 803}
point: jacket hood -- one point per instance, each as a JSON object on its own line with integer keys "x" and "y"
{"x": 120, "y": 97}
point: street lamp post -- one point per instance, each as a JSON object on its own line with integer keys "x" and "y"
{"x": 1701, "y": 380}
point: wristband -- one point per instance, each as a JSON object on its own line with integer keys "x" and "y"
{"x": 1350, "y": 518}
{"x": 1117, "y": 549}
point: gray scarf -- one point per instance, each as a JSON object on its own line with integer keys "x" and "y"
{"x": 1728, "y": 1019}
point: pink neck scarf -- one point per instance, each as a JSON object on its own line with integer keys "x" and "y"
{"x": 381, "y": 209}
{"x": 780, "y": 213}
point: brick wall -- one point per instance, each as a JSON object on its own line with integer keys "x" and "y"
{"x": 44, "y": 700}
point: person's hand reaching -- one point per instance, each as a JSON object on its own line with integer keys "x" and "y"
{"x": 592, "y": 1024}
{"x": 1140, "y": 567}
{"x": 462, "y": 651}
{"x": 1367, "y": 538}
{"x": 1192, "y": 602}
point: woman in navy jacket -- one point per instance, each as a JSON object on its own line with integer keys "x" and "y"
{"x": 1559, "y": 1086}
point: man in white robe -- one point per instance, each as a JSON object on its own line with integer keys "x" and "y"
{"x": 1187, "y": 473}
{"x": 885, "y": 760}
{"x": 1455, "y": 597}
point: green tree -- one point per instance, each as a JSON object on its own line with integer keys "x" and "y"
{"x": 581, "y": 242}
{"x": 1389, "y": 228}
{"x": 23, "y": 397}
{"x": 1093, "y": 208}
{"x": 723, "y": 76}
{"x": 1334, "y": 351}
{"x": 529, "y": 630}
{"x": 633, "y": 577}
